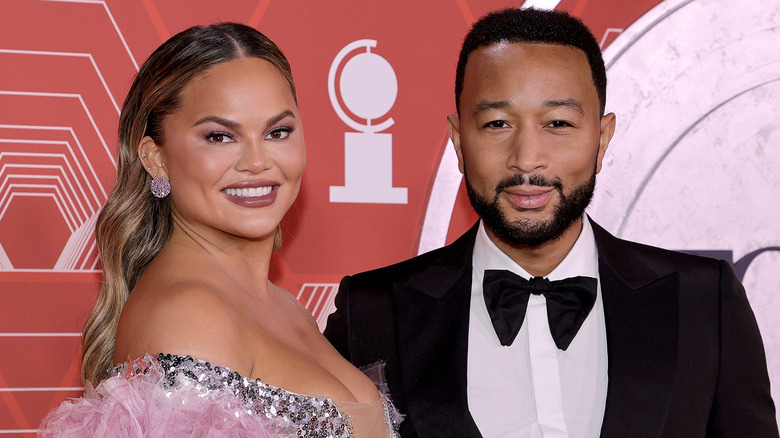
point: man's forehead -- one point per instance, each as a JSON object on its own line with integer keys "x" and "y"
{"x": 509, "y": 61}
{"x": 554, "y": 73}
{"x": 505, "y": 50}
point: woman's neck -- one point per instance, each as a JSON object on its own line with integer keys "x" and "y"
{"x": 245, "y": 260}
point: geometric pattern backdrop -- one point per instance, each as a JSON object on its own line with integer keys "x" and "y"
{"x": 693, "y": 166}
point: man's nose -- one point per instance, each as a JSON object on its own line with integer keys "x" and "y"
{"x": 527, "y": 152}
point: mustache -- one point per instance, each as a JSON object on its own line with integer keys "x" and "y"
{"x": 534, "y": 179}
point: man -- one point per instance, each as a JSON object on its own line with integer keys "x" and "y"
{"x": 609, "y": 338}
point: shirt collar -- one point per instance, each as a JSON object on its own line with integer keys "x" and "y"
{"x": 582, "y": 259}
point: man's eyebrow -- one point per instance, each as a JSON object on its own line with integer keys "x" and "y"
{"x": 485, "y": 105}
{"x": 236, "y": 126}
{"x": 572, "y": 104}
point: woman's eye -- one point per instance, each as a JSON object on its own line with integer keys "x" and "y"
{"x": 279, "y": 134}
{"x": 218, "y": 137}
{"x": 496, "y": 124}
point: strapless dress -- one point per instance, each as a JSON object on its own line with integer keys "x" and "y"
{"x": 170, "y": 396}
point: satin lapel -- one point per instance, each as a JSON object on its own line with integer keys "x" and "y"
{"x": 641, "y": 315}
{"x": 432, "y": 315}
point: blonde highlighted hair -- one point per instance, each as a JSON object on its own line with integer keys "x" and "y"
{"x": 133, "y": 225}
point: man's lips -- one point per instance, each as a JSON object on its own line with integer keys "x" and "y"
{"x": 529, "y": 198}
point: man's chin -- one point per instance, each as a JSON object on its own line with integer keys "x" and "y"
{"x": 530, "y": 216}
{"x": 529, "y": 230}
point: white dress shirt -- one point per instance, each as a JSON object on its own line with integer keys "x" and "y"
{"x": 531, "y": 388}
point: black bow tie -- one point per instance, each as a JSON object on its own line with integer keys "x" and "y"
{"x": 568, "y": 303}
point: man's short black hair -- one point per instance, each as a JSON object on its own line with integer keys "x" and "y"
{"x": 533, "y": 26}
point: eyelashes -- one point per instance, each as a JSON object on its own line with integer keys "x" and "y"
{"x": 559, "y": 124}
{"x": 219, "y": 137}
{"x": 500, "y": 124}
{"x": 276, "y": 134}
{"x": 280, "y": 133}
{"x": 496, "y": 124}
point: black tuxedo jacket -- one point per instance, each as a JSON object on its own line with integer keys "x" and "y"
{"x": 685, "y": 358}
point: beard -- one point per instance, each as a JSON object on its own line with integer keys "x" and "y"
{"x": 526, "y": 231}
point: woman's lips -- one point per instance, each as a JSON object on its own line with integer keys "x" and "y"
{"x": 252, "y": 194}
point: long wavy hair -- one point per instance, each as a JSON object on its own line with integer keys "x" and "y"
{"x": 133, "y": 225}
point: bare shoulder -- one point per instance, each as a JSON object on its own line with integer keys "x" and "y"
{"x": 183, "y": 317}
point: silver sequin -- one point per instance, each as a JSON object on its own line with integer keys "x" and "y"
{"x": 304, "y": 415}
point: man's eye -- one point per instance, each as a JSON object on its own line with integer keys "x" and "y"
{"x": 496, "y": 124}
{"x": 559, "y": 124}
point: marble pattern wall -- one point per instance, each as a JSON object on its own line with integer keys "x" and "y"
{"x": 695, "y": 161}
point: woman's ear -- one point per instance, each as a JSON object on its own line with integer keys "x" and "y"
{"x": 152, "y": 157}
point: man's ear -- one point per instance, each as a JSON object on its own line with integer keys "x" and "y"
{"x": 453, "y": 127}
{"x": 605, "y": 136}
{"x": 152, "y": 157}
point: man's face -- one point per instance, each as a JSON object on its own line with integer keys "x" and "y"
{"x": 529, "y": 138}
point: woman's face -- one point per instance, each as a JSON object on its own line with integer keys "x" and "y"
{"x": 234, "y": 150}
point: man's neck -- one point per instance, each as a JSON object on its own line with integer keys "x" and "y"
{"x": 540, "y": 260}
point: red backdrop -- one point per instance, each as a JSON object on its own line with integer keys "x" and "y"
{"x": 66, "y": 66}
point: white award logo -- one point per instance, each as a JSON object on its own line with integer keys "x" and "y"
{"x": 368, "y": 88}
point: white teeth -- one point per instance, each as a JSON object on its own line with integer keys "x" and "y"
{"x": 251, "y": 192}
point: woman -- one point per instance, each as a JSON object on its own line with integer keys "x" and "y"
{"x": 211, "y": 154}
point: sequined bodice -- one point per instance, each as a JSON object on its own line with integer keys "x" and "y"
{"x": 292, "y": 413}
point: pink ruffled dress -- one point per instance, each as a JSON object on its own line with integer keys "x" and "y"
{"x": 178, "y": 396}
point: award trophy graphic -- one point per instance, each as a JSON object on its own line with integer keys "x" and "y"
{"x": 368, "y": 88}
